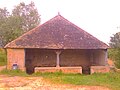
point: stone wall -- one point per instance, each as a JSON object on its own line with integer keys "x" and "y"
{"x": 16, "y": 56}
{"x": 62, "y": 69}
{"x": 99, "y": 69}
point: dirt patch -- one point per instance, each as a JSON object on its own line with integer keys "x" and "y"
{"x": 2, "y": 67}
{"x": 38, "y": 83}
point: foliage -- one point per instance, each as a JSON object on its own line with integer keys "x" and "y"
{"x": 29, "y": 15}
{"x": 10, "y": 29}
{"x": 115, "y": 40}
{"x": 3, "y": 18}
{"x": 23, "y": 18}
{"x": 3, "y": 59}
{"x": 114, "y": 54}
{"x": 3, "y": 13}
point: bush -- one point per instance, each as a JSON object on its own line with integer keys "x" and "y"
{"x": 3, "y": 59}
{"x": 114, "y": 54}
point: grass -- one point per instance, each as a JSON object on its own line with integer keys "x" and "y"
{"x": 110, "y": 80}
{"x": 3, "y": 59}
{"x": 13, "y": 72}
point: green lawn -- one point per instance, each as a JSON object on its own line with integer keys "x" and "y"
{"x": 3, "y": 59}
{"x": 110, "y": 80}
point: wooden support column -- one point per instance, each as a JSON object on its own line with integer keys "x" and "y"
{"x": 106, "y": 57}
{"x": 58, "y": 58}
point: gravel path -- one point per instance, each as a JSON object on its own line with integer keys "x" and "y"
{"x": 38, "y": 83}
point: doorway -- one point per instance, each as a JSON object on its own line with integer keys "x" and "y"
{"x": 86, "y": 70}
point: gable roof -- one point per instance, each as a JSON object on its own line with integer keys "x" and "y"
{"x": 57, "y": 33}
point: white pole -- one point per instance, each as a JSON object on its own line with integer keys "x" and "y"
{"x": 58, "y": 58}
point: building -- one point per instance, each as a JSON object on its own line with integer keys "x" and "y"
{"x": 57, "y": 45}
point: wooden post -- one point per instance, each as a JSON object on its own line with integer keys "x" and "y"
{"x": 106, "y": 57}
{"x": 58, "y": 58}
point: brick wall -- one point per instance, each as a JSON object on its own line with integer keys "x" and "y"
{"x": 16, "y": 56}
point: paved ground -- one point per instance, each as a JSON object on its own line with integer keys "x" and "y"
{"x": 38, "y": 83}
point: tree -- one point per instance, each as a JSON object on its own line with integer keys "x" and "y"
{"x": 4, "y": 14}
{"x": 115, "y": 40}
{"x": 29, "y": 15}
{"x": 11, "y": 29}
{"x": 114, "y": 53}
{"x": 23, "y": 18}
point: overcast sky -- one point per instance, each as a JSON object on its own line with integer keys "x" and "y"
{"x": 98, "y": 17}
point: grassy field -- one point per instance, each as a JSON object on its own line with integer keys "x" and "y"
{"x": 3, "y": 59}
{"x": 110, "y": 80}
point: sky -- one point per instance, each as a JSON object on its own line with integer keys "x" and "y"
{"x": 101, "y": 18}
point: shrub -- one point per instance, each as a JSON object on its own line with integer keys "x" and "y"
{"x": 114, "y": 54}
{"x": 3, "y": 59}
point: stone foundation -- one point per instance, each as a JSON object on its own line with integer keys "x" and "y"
{"x": 56, "y": 69}
{"x": 99, "y": 69}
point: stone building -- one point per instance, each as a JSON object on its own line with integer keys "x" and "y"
{"x": 58, "y": 45}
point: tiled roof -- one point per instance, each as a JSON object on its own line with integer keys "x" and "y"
{"x": 57, "y": 33}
